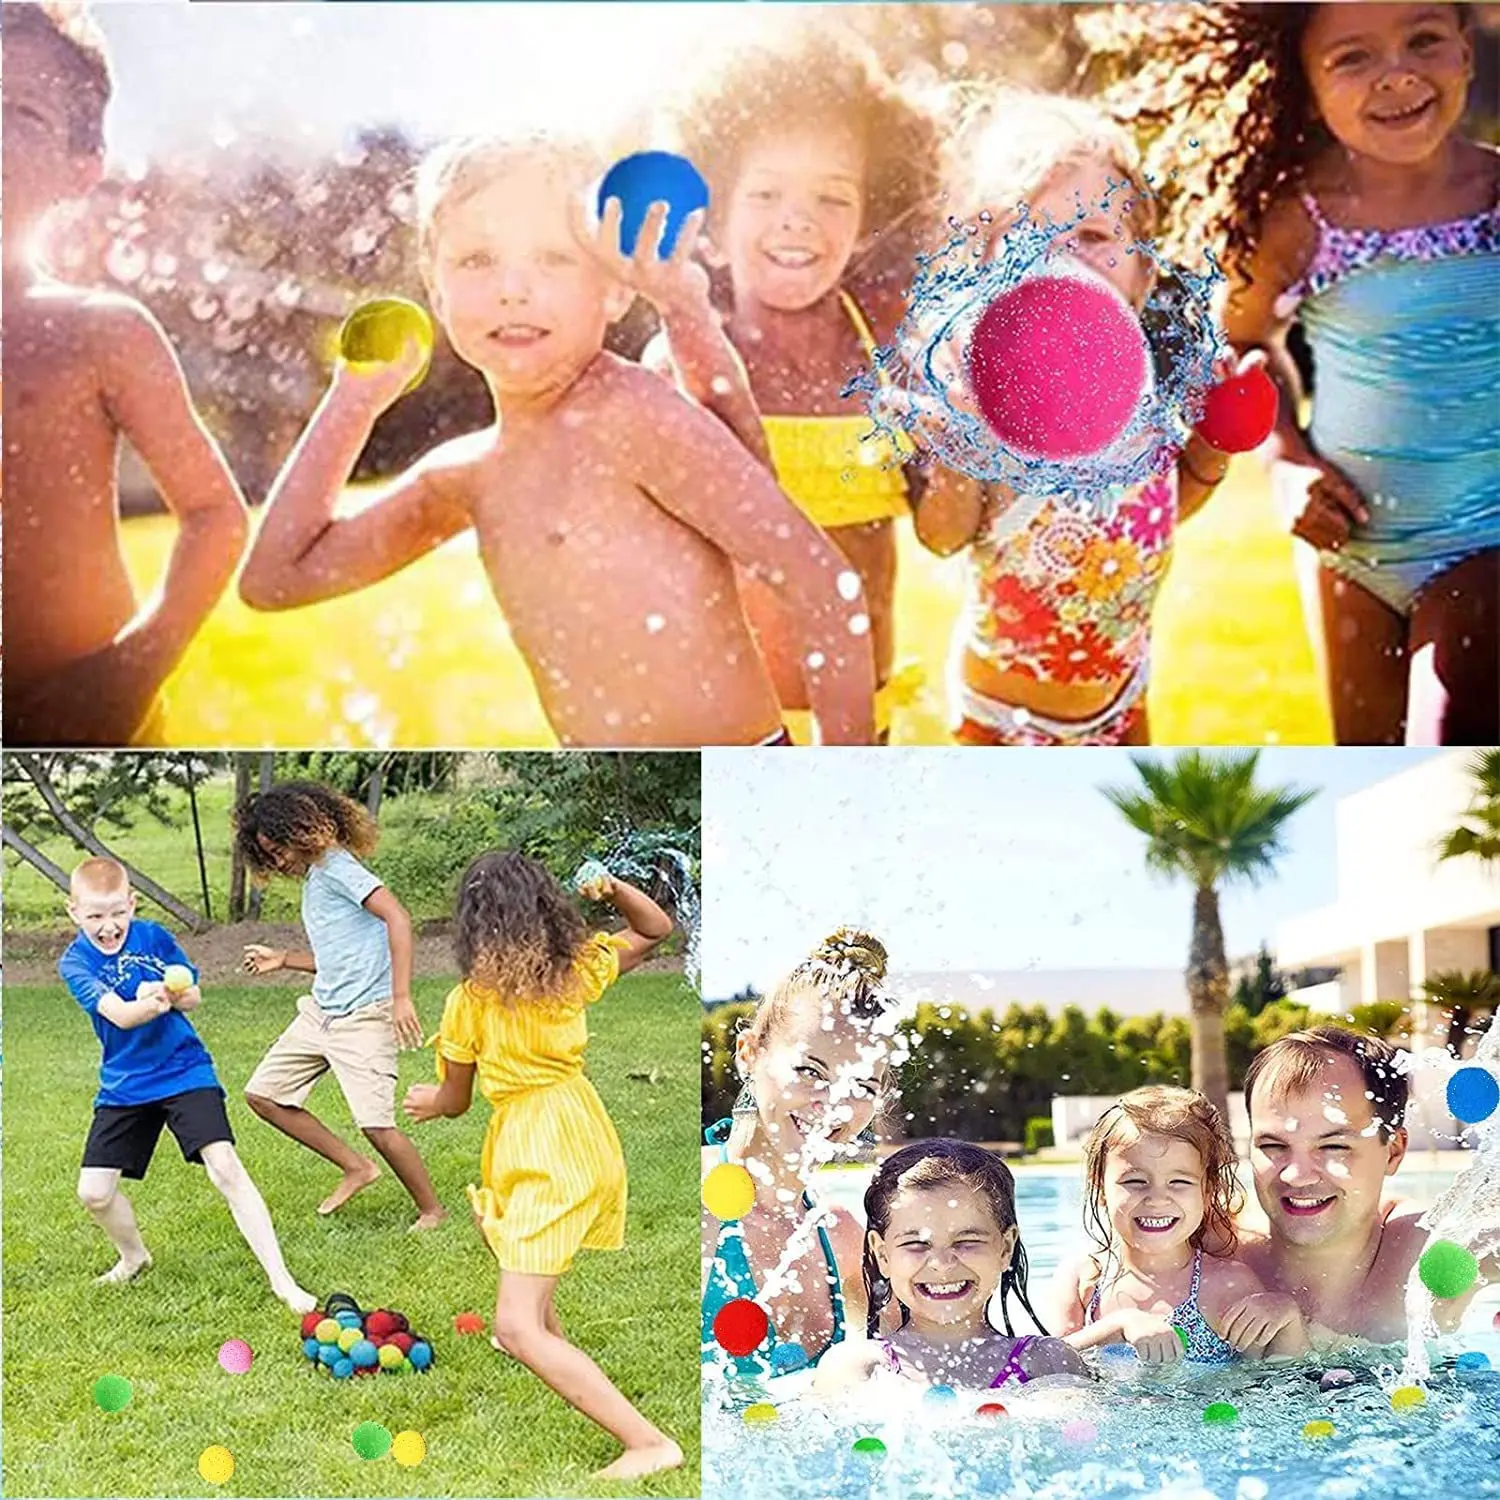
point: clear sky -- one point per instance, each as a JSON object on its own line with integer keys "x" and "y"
{"x": 186, "y": 74}
{"x": 976, "y": 861}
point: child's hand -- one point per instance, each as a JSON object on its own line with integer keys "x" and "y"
{"x": 152, "y": 993}
{"x": 1255, "y": 1320}
{"x": 405, "y": 1023}
{"x": 420, "y": 1103}
{"x": 1154, "y": 1339}
{"x": 262, "y": 960}
{"x": 677, "y": 284}
{"x": 1316, "y": 502}
{"x": 379, "y": 385}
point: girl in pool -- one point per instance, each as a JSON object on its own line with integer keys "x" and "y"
{"x": 1054, "y": 644}
{"x": 552, "y": 1171}
{"x": 814, "y": 1060}
{"x": 1160, "y": 1201}
{"x": 1349, "y": 202}
{"x": 942, "y": 1241}
{"x": 818, "y": 167}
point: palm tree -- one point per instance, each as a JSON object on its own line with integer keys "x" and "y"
{"x": 1466, "y": 997}
{"x": 1207, "y": 822}
{"x": 1479, "y": 833}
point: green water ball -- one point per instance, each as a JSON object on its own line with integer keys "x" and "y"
{"x": 870, "y": 1447}
{"x": 371, "y": 1440}
{"x": 1220, "y": 1414}
{"x": 1447, "y": 1270}
{"x": 112, "y": 1392}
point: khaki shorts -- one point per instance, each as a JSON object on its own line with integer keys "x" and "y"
{"x": 360, "y": 1048}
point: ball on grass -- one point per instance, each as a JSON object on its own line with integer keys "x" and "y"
{"x": 343, "y": 1368}
{"x": 408, "y": 1449}
{"x": 348, "y": 1338}
{"x": 329, "y": 1355}
{"x": 236, "y": 1356}
{"x": 420, "y": 1355}
{"x": 349, "y": 1320}
{"x": 310, "y": 1348}
{"x": 112, "y": 1392}
{"x": 371, "y": 1440}
{"x": 389, "y": 1356}
{"x": 310, "y": 1324}
{"x": 364, "y": 1353}
{"x": 403, "y": 1341}
{"x": 381, "y": 1324}
{"x": 1447, "y": 1270}
{"x": 327, "y": 1331}
{"x": 216, "y": 1465}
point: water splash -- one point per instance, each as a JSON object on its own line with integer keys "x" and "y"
{"x": 652, "y": 861}
{"x": 910, "y": 388}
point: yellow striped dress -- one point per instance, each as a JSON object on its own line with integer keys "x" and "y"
{"x": 552, "y": 1172}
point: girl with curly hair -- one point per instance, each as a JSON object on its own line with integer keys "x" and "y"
{"x": 1160, "y": 1199}
{"x": 1321, "y": 146}
{"x": 551, "y": 1169}
{"x": 819, "y": 168}
{"x": 359, "y": 1011}
{"x": 943, "y": 1245}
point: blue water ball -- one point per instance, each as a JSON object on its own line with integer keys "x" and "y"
{"x": 1472, "y": 1360}
{"x": 940, "y": 1395}
{"x": 420, "y": 1355}
{"x": 650, "y": 177}
{"x": 1473, "y": 1095}
{"x": 328, "y": 1354}
{"x": 310, "y": 1348}
{"x": 788, "y": 1357}
{"x": 349, "y": 1320}
{"x": 364, "y": 1353}
{"x": 343, "y": 1369}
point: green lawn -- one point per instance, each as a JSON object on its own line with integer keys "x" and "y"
{"x": 425, "y": 657}
{"x": 492, "y": 1428}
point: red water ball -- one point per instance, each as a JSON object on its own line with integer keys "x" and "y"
{"x": 992, "y": 1410}
{"x": 1240, "y": 412}
{"x": 739, "y": 1326}
{"x": 380, "y": 1324}
{"x": 1058, "y": 365}
{"x": 310, "y": 1323}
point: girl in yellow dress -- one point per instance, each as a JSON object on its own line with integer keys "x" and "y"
{"x": 552, "y": 1172}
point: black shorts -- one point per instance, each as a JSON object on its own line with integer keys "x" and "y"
{"x": 125, "y": 1136}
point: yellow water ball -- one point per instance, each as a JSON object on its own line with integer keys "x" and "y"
{"x": 327, "y": 1332}
{"x": 760, "y": 1412}
{"x": 390, "y": 1356}
{"x": 348, "y": 1338}
{"x": 1404, "y": 1397}
{"x": 728, "y": 1191}
{"x": 408, "y": 1449}
{"x": 1317, "y": 1429}
{"x": 216, "y": 1465}
{"x": 376, "y": 332}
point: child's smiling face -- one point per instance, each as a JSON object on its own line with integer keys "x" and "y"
{"x": 793, "y": 215}
{"x": 520, "y": 297}
{"x": 1154, "y": 1192}
{"x": 943, "y": 1252}
{"x": 1389, "y": 81}
{"x": 104, "y": 916}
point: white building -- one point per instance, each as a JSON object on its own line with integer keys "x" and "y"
{"x": 1127, "y": 992}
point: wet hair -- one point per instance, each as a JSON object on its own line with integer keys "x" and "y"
{"x": 928, "y": 1164}
{"x": 1009, "y": 143}
{"x": 1223, "y": 91}
{"x": 846, "y": 970}
{"x": 67, "y": 27}
{"x": 1180, "y": 1115}
{"x": 460, "y": 168}
{"x": 304, "y": 818}
{"x": 813, "y": 72}
{"x": 516, "y": 931}
{"x": 1296, "y": 1062}
{"x": 99, "y": 876}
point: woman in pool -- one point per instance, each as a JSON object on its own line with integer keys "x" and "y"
{"x": 814, "y": 1060}
{"x": 943, "y": 1241}
{"x": 1160, "y": 1202}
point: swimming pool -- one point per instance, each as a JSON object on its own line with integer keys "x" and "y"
{"x": 1140, "y": 1432}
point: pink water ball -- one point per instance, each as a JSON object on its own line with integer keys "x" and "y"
{"x": 235, "y": 1356}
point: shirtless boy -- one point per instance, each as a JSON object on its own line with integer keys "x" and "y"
{"x": 610, "y": 510}
{"x": 84, "y": 369}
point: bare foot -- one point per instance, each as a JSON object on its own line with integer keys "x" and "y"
{"x": 430, "y": 1220}
{"x": 125, "y": 1269}
{"x": 352, "y": 1182}
{"x": 295, "y": 1298}
{"x": 634, "y": 1462}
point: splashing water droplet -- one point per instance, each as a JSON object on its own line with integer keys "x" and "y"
{"x": 849, "y": 585}
{"x": 655, "y": 623}
{"x": 859, "y": 624}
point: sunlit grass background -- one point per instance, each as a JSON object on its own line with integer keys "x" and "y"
{"x": 425, "y": 658}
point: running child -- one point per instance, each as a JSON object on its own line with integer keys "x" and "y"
{"x": 1351, "y": 205}
{"x": 815, "y": 1060}
{"x": 155, "y": 1071}
{"x": 358, "y": 1010}
{"x": 1054, "y": 643}
{"x": 1160, "y": 1204}
{"x": 610, "y": 510}
{"x": 551, "y": 1170}
{"x": 942, "y": 1243}
{"x": 86, "y": 369}
{"x": 819, "y": 168}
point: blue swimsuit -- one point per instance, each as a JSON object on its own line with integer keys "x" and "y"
{"x": 1204, "y": 1346}
{"x": 730, "y": 1277}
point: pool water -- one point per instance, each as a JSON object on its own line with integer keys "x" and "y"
{"x": 1139, "y": 1431}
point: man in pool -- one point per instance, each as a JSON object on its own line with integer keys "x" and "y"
{"x": 1327, "y": 1113}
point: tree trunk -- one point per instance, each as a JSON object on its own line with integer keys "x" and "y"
{"x": 257, "y": 891}
{"x": 236, "y": 859}
{"x": 34, "y": 857}
{"x": 192, "y": 791}
{"x": 376, "y": 787}
{"x": 1208, "y": 998}
{"x": 87, "y": 839}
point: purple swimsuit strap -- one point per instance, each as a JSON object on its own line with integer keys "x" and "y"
{"x": 1012, "y": 1370}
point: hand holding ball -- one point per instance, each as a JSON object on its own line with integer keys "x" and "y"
{"x": 1240, "y": 412}
{"x": 653, "y": 177}
{"x": 377, "y": 333}
{"x": 177, "y": 978}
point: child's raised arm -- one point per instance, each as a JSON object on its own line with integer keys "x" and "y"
{"x": 648, "y": 924}
{"x": 303, "y": 553}
{"x": 686, "y": 461}
{"x": 128, "y": 1014}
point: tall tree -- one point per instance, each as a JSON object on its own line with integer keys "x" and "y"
{"x": 1208, "y": 823}
{"x": 1478, "y": 834}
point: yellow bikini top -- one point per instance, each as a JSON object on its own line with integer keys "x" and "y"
{"x": 838, "y": 470}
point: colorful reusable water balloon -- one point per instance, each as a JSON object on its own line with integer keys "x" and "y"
{"x": 371, "y": 1440}
{"x": 1405, "y": 1397}
{"x": 112, "y": 1392}
{"x": 216, "y": 1465}
{"x": 650, "y": 177}
{"x": 235, "y": 1356}
{"x": 871, "y": 1447}
{"x": 1473, "y": 1095}
{"x": 1447, "y": 1270}
{"x": 740, "y": 1326}
{"x": 408, "y": 1449}
{"x": 759, "y": 1412}
{"x": 1239, "y": 413}
{"x": 1220, "y": 1413}
{"x": 376, "y": 333}
{"x": 1318, "y": 1428}
{"x": 729, "y": 1191}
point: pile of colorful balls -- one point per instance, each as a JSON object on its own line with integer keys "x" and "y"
{"x": 340, "y": 1340}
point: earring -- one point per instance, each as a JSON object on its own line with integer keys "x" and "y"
{"x": 866, "y": 1137}
{"x": 744, "y": 1103}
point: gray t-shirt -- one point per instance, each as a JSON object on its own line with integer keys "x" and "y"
{"x": 351, "y": 945}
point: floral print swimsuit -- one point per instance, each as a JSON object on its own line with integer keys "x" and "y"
{"x": 1065, "y": 597}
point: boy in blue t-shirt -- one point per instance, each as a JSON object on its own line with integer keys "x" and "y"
{"x": 156, "y": 1071}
